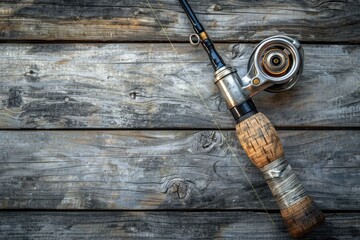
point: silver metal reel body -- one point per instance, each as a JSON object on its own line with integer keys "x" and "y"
{"x": 260, "y": 64}
{"x": 275, "y": 65}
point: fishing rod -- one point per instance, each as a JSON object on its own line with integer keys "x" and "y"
{"x": 275, "y": 65}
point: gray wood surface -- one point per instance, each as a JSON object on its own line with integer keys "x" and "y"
{"x": 131, "y": 153}
{"x": 113, "y": 20}
{"x": 165, "y": 225}
{"x": 167, "y": 170}
{"x": 147, "y": 86}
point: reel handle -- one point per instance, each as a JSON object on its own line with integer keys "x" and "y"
{"x": 261, "y": 143}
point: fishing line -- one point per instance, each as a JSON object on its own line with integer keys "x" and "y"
{"x": 234, "y": 157}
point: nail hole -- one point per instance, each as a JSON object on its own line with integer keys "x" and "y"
{"x": 133, "y": 95}
{"x": 217, "y": 7}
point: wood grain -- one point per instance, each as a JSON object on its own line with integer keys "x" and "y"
{"x": 174, "y": 184}
{"x": 165, "y": 225}
{"x": 167, "y": 170}
{"x": 112, "y": 20}
{"x": 146, "y": 86}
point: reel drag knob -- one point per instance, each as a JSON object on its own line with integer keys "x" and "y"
{"x": 276, "y": 62}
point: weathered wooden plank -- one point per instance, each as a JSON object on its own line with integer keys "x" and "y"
{"x": 112, "y": 20}
{"x": 167, "y": 170}
{"x": 147, "y": 86}
{"x": 165, "y": 225}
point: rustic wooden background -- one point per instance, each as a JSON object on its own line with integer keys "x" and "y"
{"x": 103, "y": 135}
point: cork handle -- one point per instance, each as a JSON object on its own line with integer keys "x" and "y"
{"x": 262, "y": 145}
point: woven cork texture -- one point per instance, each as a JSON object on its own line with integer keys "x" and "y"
{"x": 261, "y": 143}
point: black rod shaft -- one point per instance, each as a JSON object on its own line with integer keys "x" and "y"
{"x": 209, "y": 47}
{"x": 191, "y": 15}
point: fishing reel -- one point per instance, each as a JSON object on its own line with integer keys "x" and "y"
{"x": 275, "y": 65}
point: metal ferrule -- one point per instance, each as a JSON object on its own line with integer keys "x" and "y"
{"x": 283, "y": 183}
{"x": 229, "y": 84}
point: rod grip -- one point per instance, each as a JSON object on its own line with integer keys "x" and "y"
{"x": 261, "y": 143}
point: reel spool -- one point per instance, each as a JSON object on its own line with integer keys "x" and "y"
{"x": 277, "y": 61}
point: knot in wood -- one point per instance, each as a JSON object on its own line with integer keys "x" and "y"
{"x": 207, "y": 141}
{"x": 177, "y": 187}
{"x": 217, "y": 7}
{"x": 313, "y": 3}
{"x": 15, "y": 98}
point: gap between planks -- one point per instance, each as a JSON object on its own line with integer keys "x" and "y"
{"x": 204, "y": 210}
{"x": 31, "y": 41}
{"x": 280, "y": 128}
